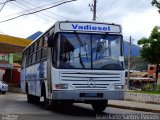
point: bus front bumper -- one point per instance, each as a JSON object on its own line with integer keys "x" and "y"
{"x": 79, "y": 95}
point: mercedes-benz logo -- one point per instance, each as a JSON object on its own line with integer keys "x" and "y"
{"x": 91, "y": 82}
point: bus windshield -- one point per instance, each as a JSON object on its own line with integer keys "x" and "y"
{"x": 89, "y": 51}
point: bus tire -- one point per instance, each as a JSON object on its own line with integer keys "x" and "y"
{"x": 29, "y": 98}
{"x": 36, "y": 99}
{"x": 99, "y": 106}
{"x": 3, "y": 92}
{"x": 32, "y": 98}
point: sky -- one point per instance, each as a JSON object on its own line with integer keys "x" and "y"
{"x": 137, "y": 17}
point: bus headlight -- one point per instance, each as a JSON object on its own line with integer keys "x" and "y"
{"x": 61, "y": 86}
{"x": 118, "y": 87}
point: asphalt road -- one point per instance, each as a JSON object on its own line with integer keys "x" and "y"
{"x": 15, "y": 107}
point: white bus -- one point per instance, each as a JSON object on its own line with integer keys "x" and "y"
{"x": 75, "y": 61}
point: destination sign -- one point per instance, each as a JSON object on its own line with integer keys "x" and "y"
{"x": 94, "y": 27}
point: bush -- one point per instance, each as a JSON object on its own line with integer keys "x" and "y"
{"x": 147, "y": 87}
{"x": 17, "y": 57}
{"x": 158, "y": 87}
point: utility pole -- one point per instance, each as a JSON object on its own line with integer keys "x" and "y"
{"x": 129, "y": 61}
{"x": 94, "y": 9}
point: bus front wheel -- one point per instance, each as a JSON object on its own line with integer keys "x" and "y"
{"x": 99, "y": 106}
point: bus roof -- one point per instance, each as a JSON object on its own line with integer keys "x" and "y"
{"x": 83, "y": 26}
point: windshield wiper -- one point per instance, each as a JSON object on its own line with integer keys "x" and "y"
{"x": 83, "y": 45}
{"x": 80, "y": 60}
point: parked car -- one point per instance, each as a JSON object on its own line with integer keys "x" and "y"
{"x": 3, "y": 87}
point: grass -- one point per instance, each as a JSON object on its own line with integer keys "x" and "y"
{"x": 145, "y": 92}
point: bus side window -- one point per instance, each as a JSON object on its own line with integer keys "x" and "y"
{"x": 44, "y": 52}
{"x": 41, "y": 43}
{"x": 44, "y": 49}
{"x": 39, "y": 50}
{"x": 33, "y": 53}
{"x": 37, "y": 45}
{"x": 26, "y": 54}
{"x": 38, "y": 55}
{"x": 45, "y": 39}
{"x": 30, "y": 58}
{"x": 54, "y": 52}
{"x": 23, "y": 61}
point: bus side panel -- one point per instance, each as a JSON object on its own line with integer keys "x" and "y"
{"x": 41, "y": 71}
{"x": 31, "y": 87}
{"x": 22, "y": 81}
{"x": 38, "y": 88}
{"x": 30, "y": 80}
{"x": 35, "y": 75}
{"x": 23, "y": 74}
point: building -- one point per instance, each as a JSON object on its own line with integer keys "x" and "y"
{"x": 152, "y": 72}
{"x": 6, "y": 61}
{"x": 9, "y": 71}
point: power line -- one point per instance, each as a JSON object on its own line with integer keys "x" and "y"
{"x": 2, "y": 6}
{"x": 93, "y": 6}
{"x": 35, "y": 14}
{"x": 4, "y": 3}
{"x": 112, "y": 4}
{"x": 24, "y": 9}
{"x": 46, "y": 10}
{"x": 100, "y": 14}
{"x": 39, "y": 8}
{"x": 93, "y": 9}
{"x": 36, "y": 11}
{"x": 97, "y": 18}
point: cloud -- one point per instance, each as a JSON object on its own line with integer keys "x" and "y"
{"x": 136, "y": 17}
{"x": 140, "y": 25}
{"x": 25, "y": 27}
{"x": 77, "y": 10}
{"x": 122, "y": 8}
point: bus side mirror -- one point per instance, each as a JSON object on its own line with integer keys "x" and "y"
{"x": 51, "y": 40}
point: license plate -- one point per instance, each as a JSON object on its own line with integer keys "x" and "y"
{"x": 90, "y": 95}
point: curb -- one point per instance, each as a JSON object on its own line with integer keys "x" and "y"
{"x": 134, "y": 108}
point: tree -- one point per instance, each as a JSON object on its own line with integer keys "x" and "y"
{"x": 151, "y": 49}
{"x": 137, "y": 63}
{"x": 17, "y": 57}
{"x": 156, "y": 4}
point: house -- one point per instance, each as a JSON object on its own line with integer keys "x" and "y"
{"x": 152, "y": 72}
{"x": 9, "y": 70}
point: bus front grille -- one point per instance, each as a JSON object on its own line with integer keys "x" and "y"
{"x": 90, "y": 80}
